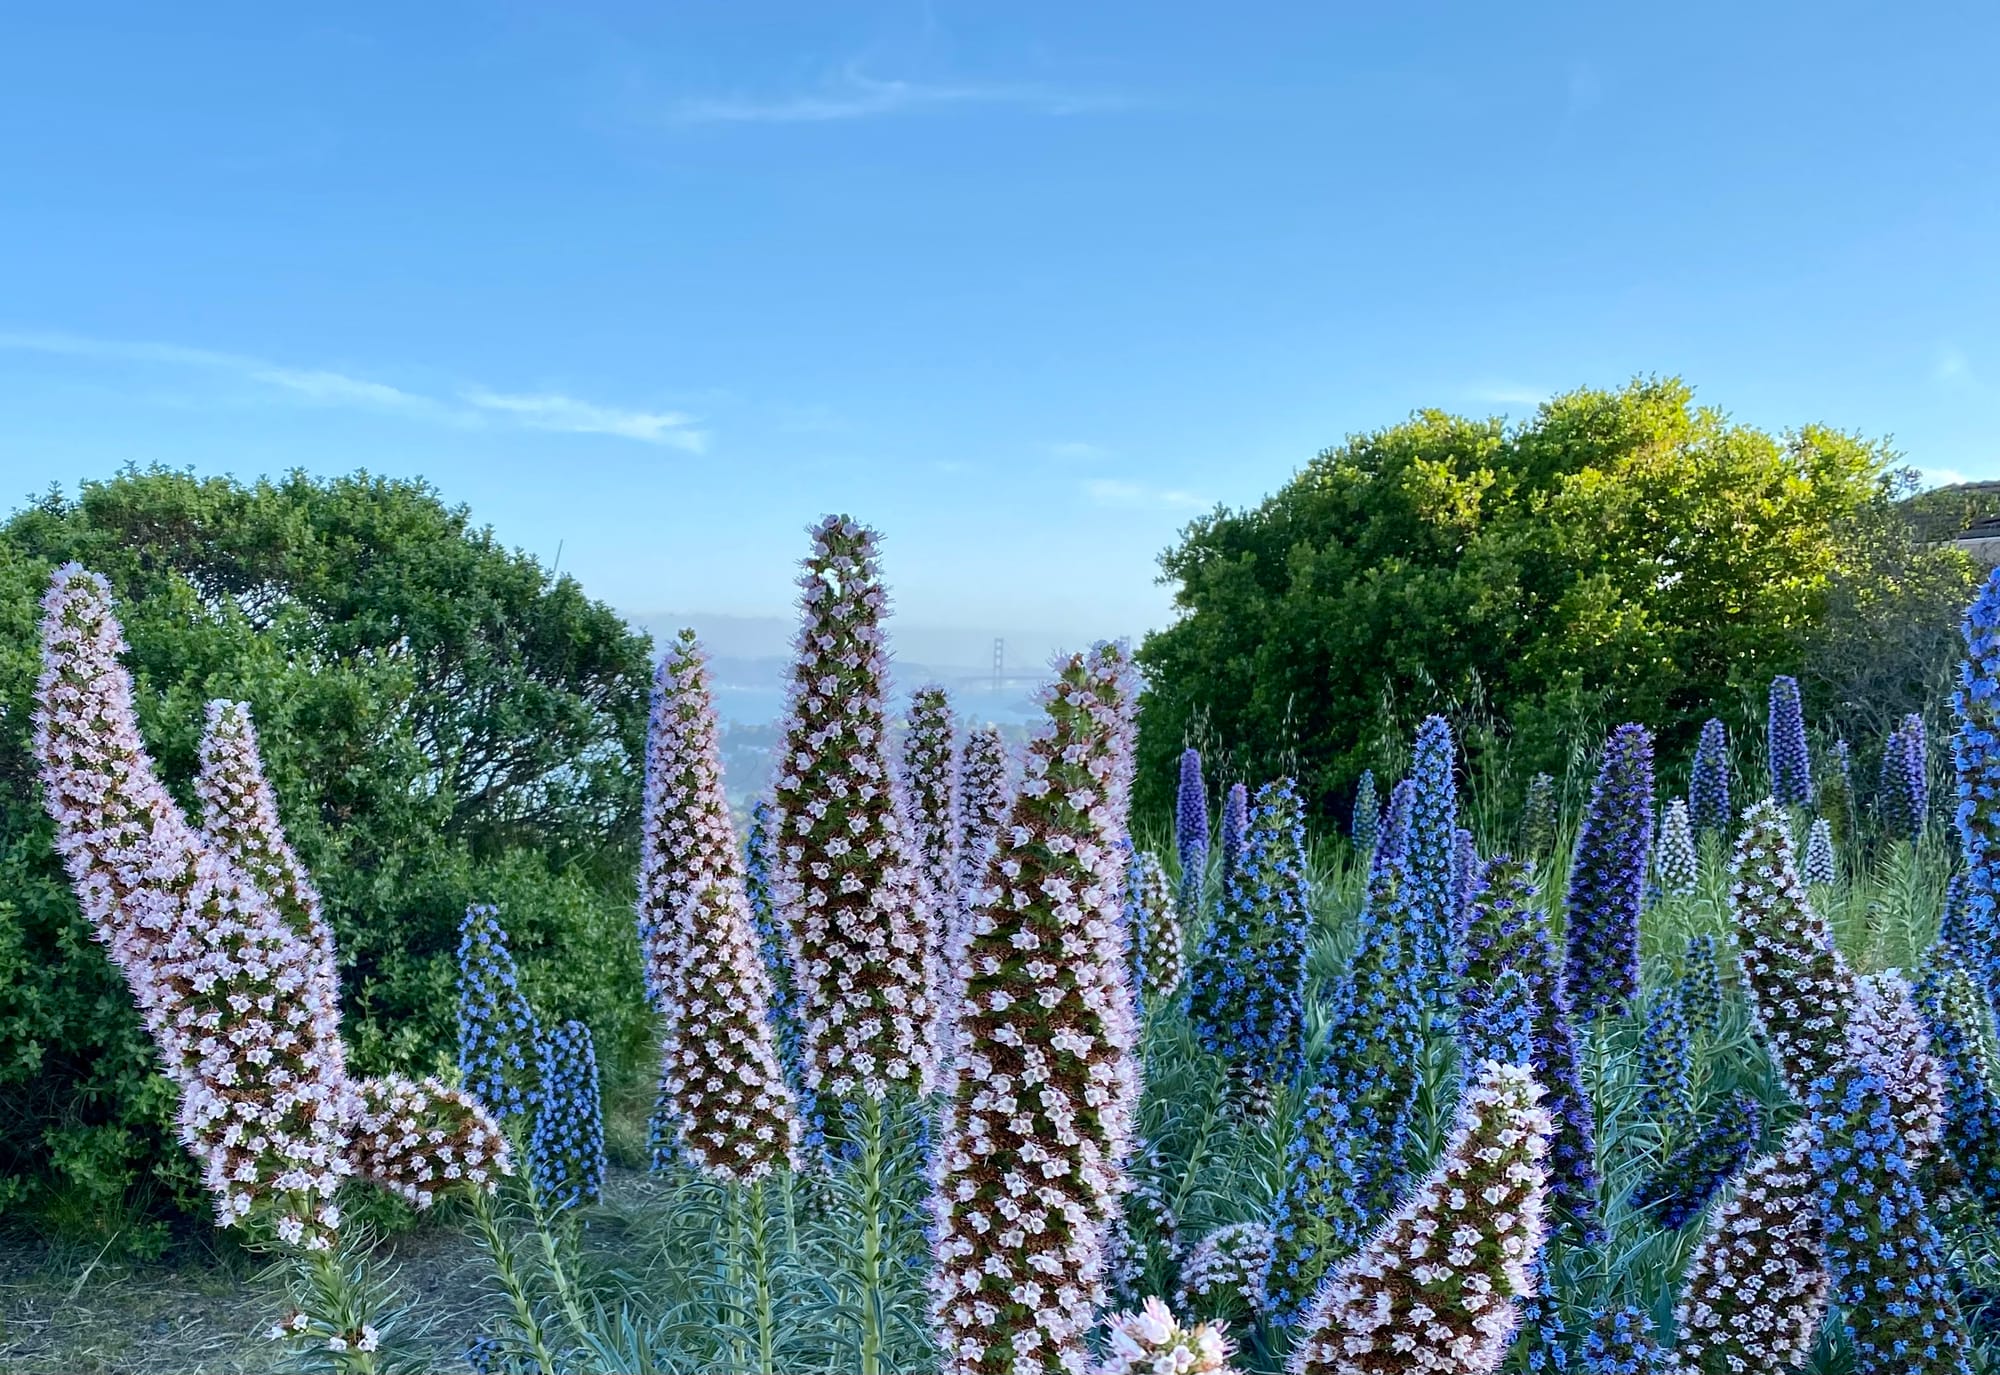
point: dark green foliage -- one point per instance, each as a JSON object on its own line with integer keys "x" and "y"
{"x": 1624, "y": 555}
{"x": 443, "y": 725}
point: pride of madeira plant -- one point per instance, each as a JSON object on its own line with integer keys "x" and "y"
{"x": 1039, "y": 1106}
{"x": 218, "y": 935}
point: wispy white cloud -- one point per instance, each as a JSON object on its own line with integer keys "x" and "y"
{"x": 472, "y": 407}
{"x": 554, "y": 411}
{"x": 852, "y": 94}
{"x": 1077, "y": 450}
{"x": 1114, "y": 492}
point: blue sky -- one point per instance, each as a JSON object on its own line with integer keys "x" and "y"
{"x": 1025, "y": 285}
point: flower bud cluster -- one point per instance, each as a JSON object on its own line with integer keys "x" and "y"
{"x": 1708, "y": 788}
{"x": 1800, "y": 989}
{"x": 1152, "y": 912}
{"x": 1038, "y": 1125}
{"x": 848, "y": 882}
{"x": 1676, "y": 864}
{"x": 1785, "y": 745}
{"x": 727, "y": 1090}
{"x": 1248, "y": 998}
{"x": 498, "y": 1033}
{"x": 930, "y": 803}
{"x": 1607, "y": 881}
{"x": 1883, "y": 1252}
{"x": 1436, "y": 1288}
{"x": 1756, "y": 1288}
{"x": 1191, "y": 829}
{"x": 1151, "y": 1341}
{"x": 566, "y": 1150}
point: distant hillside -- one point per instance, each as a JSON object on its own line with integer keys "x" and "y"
{"x": 1944, "y": 512}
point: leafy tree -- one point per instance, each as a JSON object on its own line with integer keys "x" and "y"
{"x": 1623, "y": 555}
{"x": 444, "y": 723}
{"x": 1888, "y": 644}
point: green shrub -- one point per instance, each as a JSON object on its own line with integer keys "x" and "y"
{"x": 1621, "y": 556}
{"x": 443, "y": 723}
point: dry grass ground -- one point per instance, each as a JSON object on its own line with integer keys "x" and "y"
{"x": 65, "y": 1311}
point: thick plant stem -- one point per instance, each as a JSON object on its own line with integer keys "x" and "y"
{"x": 565, "y": 1286}
{"x": 736, "y": 1275}
{"x": 871, "y": 1198}
{"x": 507, "y": 1269}
{"x": 331, "y": 1288}
{"x": 757, "y": 1261}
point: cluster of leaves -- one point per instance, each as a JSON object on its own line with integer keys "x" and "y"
{"x": 1625, "y": 554}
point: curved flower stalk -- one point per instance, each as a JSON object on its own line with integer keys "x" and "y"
{"x": 1538, "y": 819}
{"x": 1367, "y": 826}
{"x": 685, "y": 831}
{"x": 1191, "y": 829}
{"x": 1785, "y": 745}
{"x": 1249, "y": 985}
{"x": 1158, "y": 954}
{"x": 420, "y": 1139}
{"x": 1820, "y": 869}
{"x": 1800, "y": 989}
{"x": 737, "y": 1117}
{"x": 1904, "y": 797}
{"x": 930, "y": 800}
{"x": 1510, "y": 934}
{"x": 1435, "y": 1289}
{"x": 1622, "y": 1343}
{"x": 1975, "y": 753}
{"x": 417, "y": 1139}
{"x": 1701, "y": 987}
{"x": 498, "y": 1033}
{"x": 1886, "y": 1032}
{"x": 1680, "y": 1189}
{"x": 1883, "y": 1254}
{"x": 1756, "y": 1289}
{"x": 1151, "y": 1341}
{"x": 1666, "y": 1065}
{"x": 239, "y": 821}
{"x": 1676, "y": 864}
{"x": 264, "y": 1109}
{"x": 1708, "y": 788}
{"x": 1038, "y": 1122}
{"x": 566, "y": 1151}
{"x": 1235, "y": 827}
{"x": 1223, "y": 1277}
{"x": 1607, "y": 881}
{"x": 848, "y": 880}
